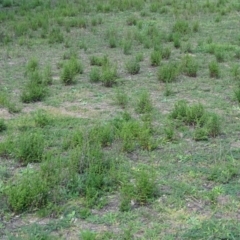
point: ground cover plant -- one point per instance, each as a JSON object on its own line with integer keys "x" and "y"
{"x": 119, "y": 119}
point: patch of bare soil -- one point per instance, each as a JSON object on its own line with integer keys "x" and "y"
{"x": 5, "y": 114}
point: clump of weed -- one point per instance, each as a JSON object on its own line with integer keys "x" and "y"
{"x": 236, "y": 72}
{"x": 168, "y": 72}
{"x": 70, "y": 70}
{"x": 223, "y": 173}
{"x": 176, "y": 40}
{"x": 220, "y": 55}
{"x": 156, "y": 58}
{"x": 207, "y": 124}
{"x": 133, "y": 66}
{"x": 47, "y": 75}
{"x": 169, "y": 132}
{"x": 5, "y": 102}
{"x": 139, "y": 57}
{"x": 166, "y": 53}
{"x": 3, "y": 125}
{"x": 88, "y": 235}
{"x": 214, "y": 70}
{"x": 212, "y": 124}
{"x": 29, "y": 147}
{"x": 32, "y": 65}
{"x": 98, "y": 61}
{"x": 237, "y": 94}
{"x": 41, "y": 118}
{"x": 187, "y": 48}
{"x": 181, "y": 27}
{"x": 55, "y": 36}
{"x": 121, "y": 98}
{"x": 127, "y": 46}
{"x": 112, "y": 37}
{"x": 33, "y": 92}
{"x": 138, "y": 191}
{"x": 189, "y": 66}
{"x": 27, "y": 191}
{"x": 96, "y": 21}
{"x": 95, "y": 75}
{"x": 144, "y": 103}
{"x": 195, "y": 27}
{"x": 200, "y": 134}
{"x": 237, "y": 54}
{"x": 109, "y": 75}
{"x": 132, "y": 20}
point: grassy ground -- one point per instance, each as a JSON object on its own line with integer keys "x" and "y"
{"x": 119, "y": 119}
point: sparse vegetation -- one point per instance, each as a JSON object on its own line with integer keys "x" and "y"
{"x": 111, "y": 116}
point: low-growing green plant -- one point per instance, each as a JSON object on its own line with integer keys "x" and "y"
{"x": 195, "y": 27}
{"x": 121, "y": 98}
{"x": 176, "y": 40}
{"x": 67, "y": 76}
{"x": 127, "y": 46}
{"x": 132, "y": 20}
{"x": 99, "y": 61}
{"x": 168, "y": 72}
{"x": 33, "y": 92}
{"x": 223, "y": 173}
{"x": 220, "y": 55}
{"x": 237, "y": 54}
{"x": 32, "y": 65}
{"x": 41, "y": 118}
{"x": 140, "y": 191}
{"x": 156, "y": 58}
{"x": 27, "y": 191}
{"x": 181, "y": 27}
{"x": 109, "y": 75}
{"x": 70, "y": 70}
{"x": 207, "y": 124}
{"x": 5, "y": 102}
{"x": 237, "y": 94}
{"x": 3, "y": 125}
{"x": 112, "y": 37}
{"x": 166, "y": 53}
{"x": 189, "y": 66}
{"x": 144, "y": 103}
{"x": 55, "y": 36}
{"x": 96, "y": 21}
{"x": 47, "y": 75}
{"x": 133, "y": 66}
{"x": 214, "y": 70}
{"x": 169, "y": 132}
{"x": 213, "y": 124}
{"x": 139, "y": 57}
{"x": 95, "y": 75}
{"x": 200, "y": 134}
{"x": 36, "y": 77}
{"x": 236, "y": 72}
{"x": 29, "y": 147}
{"x": 88, "y": 235}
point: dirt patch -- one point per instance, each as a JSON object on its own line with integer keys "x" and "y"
{"x": 5, "y": 114}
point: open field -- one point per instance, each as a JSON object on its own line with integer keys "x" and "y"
{"x": 119, "y": 119}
